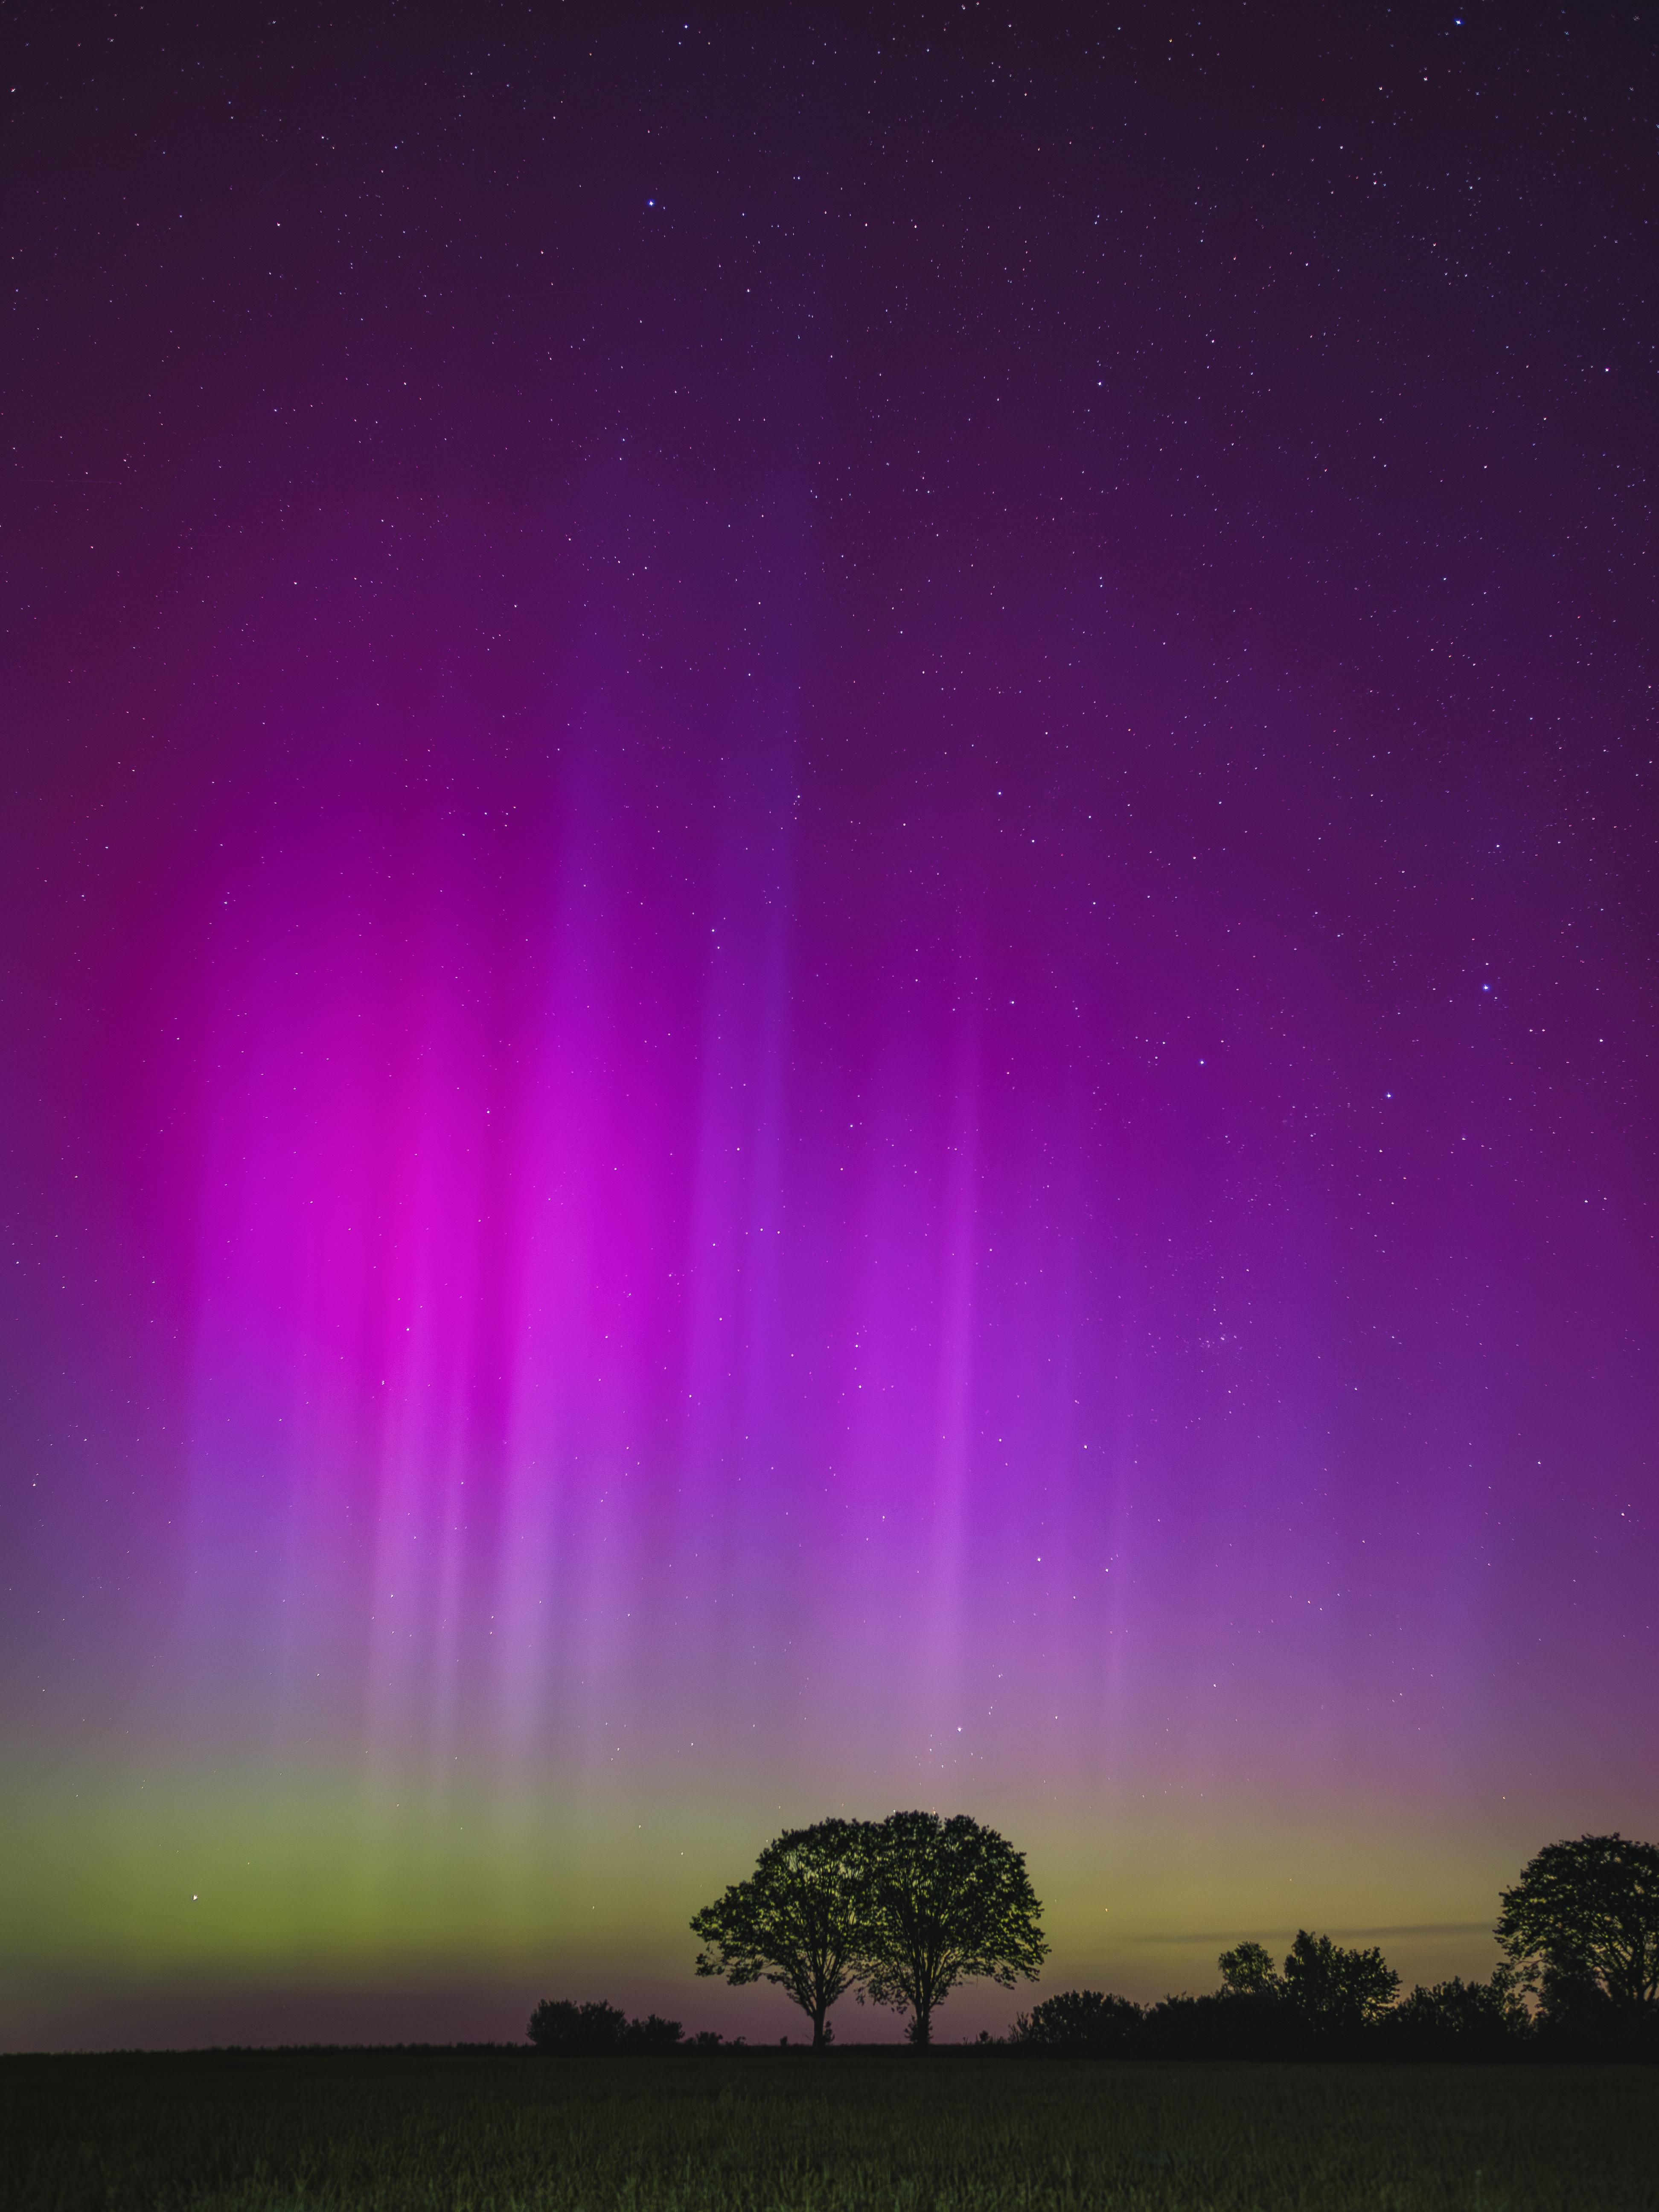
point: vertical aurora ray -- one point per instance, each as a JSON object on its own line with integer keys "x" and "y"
{"x": 636, "y": 1359}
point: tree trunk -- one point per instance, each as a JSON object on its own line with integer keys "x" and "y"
{"x": 817, "y": 2027}
{"x": 922, "y": 2034}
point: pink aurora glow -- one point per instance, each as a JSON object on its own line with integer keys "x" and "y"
{"x": 826, "y": 937}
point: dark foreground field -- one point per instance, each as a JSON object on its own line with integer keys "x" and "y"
{"x": 882, "y": 2130}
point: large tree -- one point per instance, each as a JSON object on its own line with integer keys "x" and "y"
{"x": 799, "y": 1920}
{"x": 949, "y": 1900}
{"x": 1586, "y": 1913}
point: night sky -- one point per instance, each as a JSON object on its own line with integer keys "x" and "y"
{"x": 828, "y": 966}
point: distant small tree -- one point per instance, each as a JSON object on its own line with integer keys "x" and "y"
{"x": 1084, "y": 2023}
{"x": 1582, "y": 1925}
{"x": 949, "y": 1900}
{"x": 1248, "y": 1971}
{"x": 1334, "y": 1991}
{"x": 799, "y": 1920}
{"x": 1250, "y": 2016}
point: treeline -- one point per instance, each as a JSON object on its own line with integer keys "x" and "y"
{"x": 1579, "y": 1978}
{"x": 901, "y": 1910}
{"x": 1327, "y": 2002}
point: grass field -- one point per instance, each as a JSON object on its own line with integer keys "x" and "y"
{"x": 372, "y": 2132}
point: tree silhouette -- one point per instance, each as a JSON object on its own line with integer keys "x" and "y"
{"x": 1091, "y": 2023}
{"x": 576, "y": 2031}
{"x": 1582, "y": 1923}
{"x": 1335, "y": 1991}
{"x": 1248, "y": 1971}
{"x": 797, "y": 1921}
{"x": 1463, "y": 2020}
{"x": 598, "y": 2030}
{"x": 949, "y": 1900}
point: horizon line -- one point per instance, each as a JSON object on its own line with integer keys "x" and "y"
{"x": 1290, "y": 1934}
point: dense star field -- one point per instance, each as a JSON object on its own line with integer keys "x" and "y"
{"x": 827, "y": 949}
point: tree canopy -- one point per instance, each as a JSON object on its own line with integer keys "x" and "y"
{"x": 948, "y": 1901}
{"x": 1248, "y": 1971}
{"x": 1583, "y": 1920}
{"x": 799, "y": 1920}
{"x": 1463, "y": 2020}
{"x": 1336, "y": 1991}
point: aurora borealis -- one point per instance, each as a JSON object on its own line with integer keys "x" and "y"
{"x": 828, "y": 977}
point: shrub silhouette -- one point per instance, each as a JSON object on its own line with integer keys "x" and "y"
{"x": 598, "y": 2030}
{"x": 1084, "y": 2023}
{"x": 1463, "y": 2020}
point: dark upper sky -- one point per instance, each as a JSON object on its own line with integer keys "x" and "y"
{"x": 1281, "y": 389}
